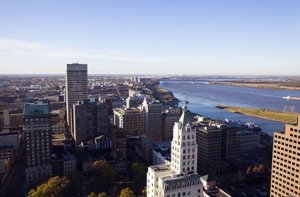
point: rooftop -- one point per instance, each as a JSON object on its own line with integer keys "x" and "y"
{"x": 37, "y": 108}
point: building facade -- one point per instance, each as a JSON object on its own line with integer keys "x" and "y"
{"x": 37, "y": 130}
{"x": 169, "y": 118}
{"x": 90, "y": 120}
{"x": 209, "y": 146}
{"x": 76, "y": 86}
{"x": 130, "y": 119}
{"x": 118, "y": 138}
{"x": 285, "y": 179}
{"x": 153, "y": 120}
{"x": 179, "y": 178}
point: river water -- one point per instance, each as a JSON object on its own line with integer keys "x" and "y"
{"x": 203, "y": 98}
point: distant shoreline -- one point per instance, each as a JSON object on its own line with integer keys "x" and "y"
{"x": 256, "y": 85}
{"x": 284, "y": 117}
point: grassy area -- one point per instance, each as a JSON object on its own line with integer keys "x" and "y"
{"x": 285, "y": 117}
{"x": 161, "y": 90}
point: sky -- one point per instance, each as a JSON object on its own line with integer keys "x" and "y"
{"x": 202, "y": 37}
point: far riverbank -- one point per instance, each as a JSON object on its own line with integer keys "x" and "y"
{"x": 284, "y": 117}
{"x": 261, "y": 85}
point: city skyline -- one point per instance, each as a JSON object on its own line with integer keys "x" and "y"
{"x": 170, "y": 37}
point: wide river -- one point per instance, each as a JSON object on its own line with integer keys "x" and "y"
{"x": 203, "y": 98}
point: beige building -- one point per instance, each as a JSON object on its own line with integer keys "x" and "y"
{"x": 76, "y": 86}
{"x": 130, "y": 119}
{"x": 153, "y": 126}
{"x": 285, "y": 180}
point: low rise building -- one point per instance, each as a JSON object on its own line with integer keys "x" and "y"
{"x": 69, "y": 164}
{"x": 210, "y": 188}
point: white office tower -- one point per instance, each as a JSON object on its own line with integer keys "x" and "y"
{"x": 180, "y": 178}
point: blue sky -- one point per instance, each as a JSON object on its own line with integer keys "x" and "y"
{"x": 151, "y": 36}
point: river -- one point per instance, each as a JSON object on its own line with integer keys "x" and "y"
{"x": 203, "y": 98}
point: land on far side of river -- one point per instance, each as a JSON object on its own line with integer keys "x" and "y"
{"x": 285, "y": 117}
{"x": 264, "y": 84}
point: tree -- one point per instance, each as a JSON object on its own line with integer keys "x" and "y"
{"x": 54, "y": 187}
{"x": 139, "y": 173}
{"x": 144, "y": 192}
{"x": 255, "y": 169}
{"x": 249, "y": 170}
{"x": 92, "y": 195}
{"x": 77, "y": 180}
{"x": 102, "y": 168}
{"x": 102, "y": 194}
{"x": 103, "y": 176}
{"x": 261, "y": 168}
{"x": 127, "y": 192}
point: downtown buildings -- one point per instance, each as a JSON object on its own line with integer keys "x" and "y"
{"x": 130, "y": 119}
{"x": 179, "y": 178}
{"x": 37, "y": 128}
{"x": 76, "y": 86}
{"x": 285, "y": 179}
{"x": 90, "y": 119}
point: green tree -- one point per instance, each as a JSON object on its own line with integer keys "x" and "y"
{"x": 102, "y": 177}
{"x": 54, "y": 187}
{"x": 102, "y": 168}
{"x": 127, "y": 192}
{"x": 139, "y": 173}
{"x": 77, "y": 180}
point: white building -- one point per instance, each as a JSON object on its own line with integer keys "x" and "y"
{"x": 180, "y": 178}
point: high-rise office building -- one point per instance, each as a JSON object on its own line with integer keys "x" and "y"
{"x": 180, "y": 178}
{"x": 118, "y": 136}
{"x": 230, "y": 142}
{"x": 76, "y": 86}
{"x": 153, "y": 120}
{"x": 37, "y": 130}
{"x": 285, "y": 179}
{"x": 209, "y": 146}
{"x": 169, "y": 118}
{"x": 90, "y": 119}
{"x": 130, "y": 119}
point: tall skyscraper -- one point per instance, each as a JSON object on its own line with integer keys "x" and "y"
{"x": 37, "y": 130}
{"x": 285, "y": 179}
{"x": 76, "y": 86}
{"x": 90, "y": 119}
{"x": 180, "y": 178}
